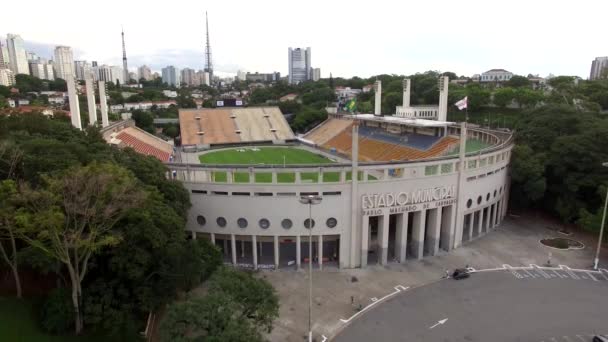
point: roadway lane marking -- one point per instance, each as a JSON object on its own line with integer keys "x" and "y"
{"x": 324, "y": 338}
{"x": 440, "y": 322}
{"x": 581, "y": 338}
{"x": 540, "y": 271}
{"x": 397, "y": 288}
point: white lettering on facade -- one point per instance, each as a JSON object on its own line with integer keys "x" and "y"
{"x": 400, "y": 199}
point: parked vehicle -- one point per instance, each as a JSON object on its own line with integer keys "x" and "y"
{"x": 600, "y": 338}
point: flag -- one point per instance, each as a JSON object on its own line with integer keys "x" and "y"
{"x": 462, "y": 104}
{"x": 351, "y": 105}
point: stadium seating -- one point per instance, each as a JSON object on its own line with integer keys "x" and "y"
{"x": 277, "y": 122}
{"x": 218, "y": 127}
{"x": 327, "y": 130}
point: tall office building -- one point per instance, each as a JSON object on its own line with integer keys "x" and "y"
{"x": 599, "y": 68}
{"x": 4, "y": 59}
{"x": 144, "y": 72}
{"x": 188, "y": 77}
{"x": 118, "y": 76}
{"x": 171, "y": 76}
{"x": 17, "y": 56}
{"x": 64, "y": 62}
{"x": 299, "y": 65}
{"x": 316, "y": 74}
{"x": 81, "y": 69}
{"x": 110, "y": 73}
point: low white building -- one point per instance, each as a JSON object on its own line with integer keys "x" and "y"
{"x": 170, "y": 93}
{"x": 495, "y": 76}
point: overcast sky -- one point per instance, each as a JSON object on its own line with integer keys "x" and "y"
{"x": 347, "y": 38}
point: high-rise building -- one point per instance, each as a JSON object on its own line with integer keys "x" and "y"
{"x": 316, "y": 74}
{"x": 188, "y": 77}
{"x": 4, "y": 59}
{"x": 64, "y": 62}
{"x": 299, "y": 65}
{"x": 171, "y": 76}
{"x": 241, "y": 75}
{"x": 144, "y": 72}
{"x": 117, "y": 75}
{"x": 81, "y": 69}
{"x": 599, "y": 68}
{"x": 37, "y": 69}
{"x": 7, "y": 78}
{"x": 17, "y": 56}
{"x": 110, "y": 73}
{"x": 31, "y": 56}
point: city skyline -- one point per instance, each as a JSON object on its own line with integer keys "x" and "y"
{"x": 384, "y": 38}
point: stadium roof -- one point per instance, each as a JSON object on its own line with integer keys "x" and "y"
{"x": 403, "y": 121}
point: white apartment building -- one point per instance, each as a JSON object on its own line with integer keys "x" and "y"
{"x": 598, "y": 66}
{"x": 144, "y": 72}
{"x": 16, "y": 54}
{"x": 171, "y": 76}
{"x": 299, "y": 65}
{"x": 7, "y": 78}
{"x": 64, "y": 62}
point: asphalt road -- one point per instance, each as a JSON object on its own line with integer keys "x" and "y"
{"x": 491, "y": 306}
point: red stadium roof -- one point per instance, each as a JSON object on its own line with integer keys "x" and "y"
{"x": 141, "y": 147}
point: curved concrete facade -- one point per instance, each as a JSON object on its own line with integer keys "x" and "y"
{"x": 393, "y": 212}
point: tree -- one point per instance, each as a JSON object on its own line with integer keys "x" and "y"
{"x": 257, "y": 298}
{"x": 518, "y": 82}
{"x": 8, "y": 231}
{"x": 211, "y": 318}
{"x": 73, "y": 218}
{"x": 171, "y": 131}
{"x": 143, "y": 120}
{"x": 503, "y": 96}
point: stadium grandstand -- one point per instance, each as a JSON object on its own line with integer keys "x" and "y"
{"x": 202, "y": 128}
{"x": 124, "y": 134}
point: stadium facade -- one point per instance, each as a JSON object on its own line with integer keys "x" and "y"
{"x": 417, "y": 191}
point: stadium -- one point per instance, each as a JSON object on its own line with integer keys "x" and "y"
{"x": 394, "y": 188}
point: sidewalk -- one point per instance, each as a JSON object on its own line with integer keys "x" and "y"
{"x": 514, "y": 242}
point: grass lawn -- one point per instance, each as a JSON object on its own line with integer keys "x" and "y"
{"x": 471, "y": 146}
{"x": 265, "y": 156}
{"x": 18, "y": 323}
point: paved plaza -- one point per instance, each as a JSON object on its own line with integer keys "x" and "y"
{"x": 338, "y": 293}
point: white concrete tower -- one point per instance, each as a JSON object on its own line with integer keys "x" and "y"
{"x": 74, "y": 105}
{"x": 91, "y": 99}
{"x": 378, "y": 100}
{"x": 103, "y": 103}
{"x": 406, "y": 92}
{"x": 444, "y": 81}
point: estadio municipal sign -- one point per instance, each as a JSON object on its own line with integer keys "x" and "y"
{"x": 399, "y": 202}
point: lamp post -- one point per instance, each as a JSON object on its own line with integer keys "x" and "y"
{"x": 310, "y": 200}
{"x": 599, "y": 242}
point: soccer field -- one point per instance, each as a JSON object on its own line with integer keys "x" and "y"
{"x": 263, "y": 155}
{"x": 277, "y": 156}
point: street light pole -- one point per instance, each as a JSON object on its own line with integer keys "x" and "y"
{"x": 599, "y": 242}
{"x": 310, "y": 200}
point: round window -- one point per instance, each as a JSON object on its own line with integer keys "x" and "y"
{"x": 307, "y": 223}
{"x": 469, "y": 203}
{"x": 331, "y": 222}
{"x": 200, "y": 219}
{"x": 221, "y": 222}
{"x": 479, "y": 200}
{"x": 242, "y": 223}
{"x": 264, "y": 223}
{"x": 286, "y": 223}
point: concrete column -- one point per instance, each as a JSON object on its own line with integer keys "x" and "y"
{"x": 233, "y": 248}
{"x": 406, "y": 92}
{"x": 460, "y": 204}
{"x": 276, "y": 252}
{"x": 320, "y": 252}
{"x": 193, "y": 235}
{"x": 479, "y": 220}
{"x": 298, "y": 177}
{"x": 91, "y": 100}
{"x": 213, "y": 238}
{"x": 383, "y": 238}
{"x": 378, "y": 98}
{"x": 254, "y": 248}
{"x": 103, "y": 103}
{"x": 488, "y": 219}
{"x": 225, "y": 246}
{"x": 242, "y": 248}
{"x": 298, "y": 252}
{"x": 494, "y": 211}
{"x": 74, "y": 104}
{"x": 261, "y": 249}
{"x": 447, "y": 228}
{"x": 432, "y": 241}
{"x": 364, "y": 240}
{"x": 401, "y": 237}
{"x": 471, "y": 223}
{"x": 498, "y": 210}
{"x": 354, "y": 204}
{"x": 418, "y": 234}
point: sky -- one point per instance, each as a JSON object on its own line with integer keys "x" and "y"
{"x": 348, "y": 38}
